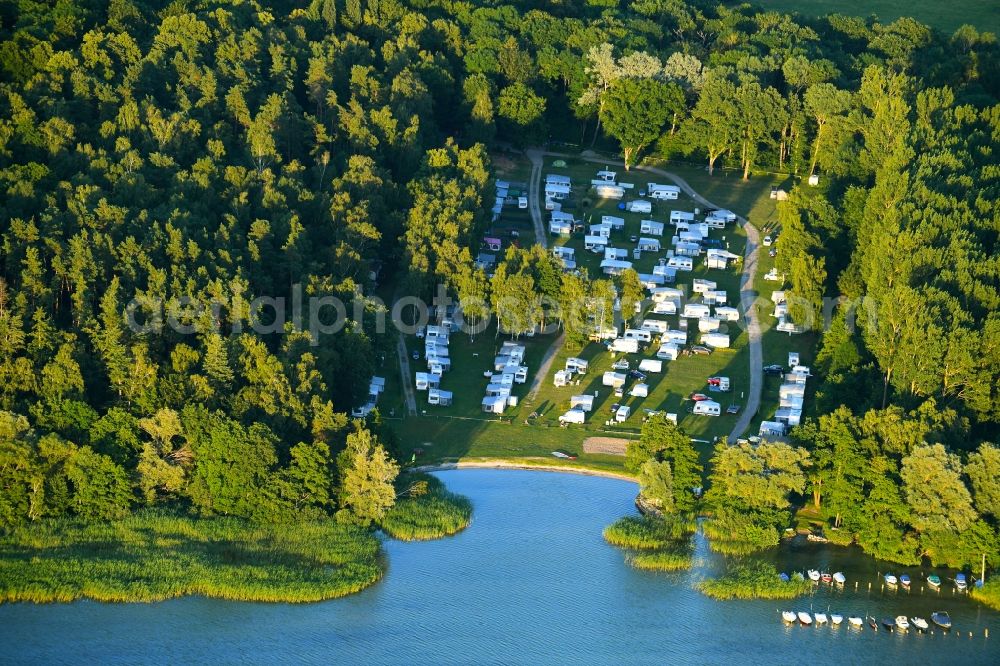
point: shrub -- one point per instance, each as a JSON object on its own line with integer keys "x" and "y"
{"x": 753, "y": 580}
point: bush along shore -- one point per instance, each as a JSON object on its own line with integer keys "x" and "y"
{"x": 425, "y": 510}
{"x": 662, "y": 543}
{"x": 754, "y": 580}
{"x": 151, "y": 556}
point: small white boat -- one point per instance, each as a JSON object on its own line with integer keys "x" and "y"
{"x": 804, "y": 618}
{"x": 820, "y": 618}
{"x": 856, "y": 621}
{"x": 813, "y": 575}
{"x": 902, "y": 624}
{"x": 890, "y": 580}
{"x": 836, "y": 619}
{"x": 839, "y": 578}
{"x": 960, "y": 583}
{"x": 920, "y": 623}
{"x": 788, "y": 616}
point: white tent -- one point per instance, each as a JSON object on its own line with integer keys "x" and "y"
{"x": 708, "y": 325}
{"x": 638, "y": 206}
{"x": 771, "y": 429}
{"x": 624, "y": 345}
{"x": 639, "y": 391}
{"x": 615, "y": 222}
{"x": 686, "y": 249}
{"x": 582, "y": 402}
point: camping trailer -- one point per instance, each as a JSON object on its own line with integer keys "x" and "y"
{"x": 494, "y": 404}
{"x": 677, "y": 216}
{"x": 560, "y": 227}
{"x": 649, "y": 245}
{"x": 556, "y": 191}
{"x": 696, "y": 311}
{"x": 708, "y": 325}
{"x": 793, "y": 359}
{"x": 668, "y": 352}
{"x": 651, "y": 228}
{"x": 615, "y": 266}
{"x": 610, "y": 191}
{"x": 681, "y": 263}
{"x": 638, "y": 206}
{"x": 707, "y": 408}
{"x": 789, "y": 415}
{"x": 664, "y": 192}
{"x": 716, "y": 297}
{"x": 582, "y": 402}
{"x": 573, "y": 416}
{"x": 439, "y": 397}
{"x": 665, "y": 308}
{"x": 624, "y": 345}
{"x": 613, "y": 222}
{"x": 606, "y": 176}
{"x": 613, "y": 379}
{"x": 716, "y": 340}
{"x": 666, "y": 294}
{"x": 557, "y": 179}
{"x": 700, "y": 286}
{"x": 595, "y": 243}
{"x": 577, "y": 365}
{"x": 651, "y": 365}
{"x": 562, "y": 378}
{"x": 637, "y": 334}
{"x": 676, "y": 337}
{"x": 623, "y": 413}
{"x": 655, "y": 325}
{"x": 726, "y": 313}
{"x": 771, "y": 429}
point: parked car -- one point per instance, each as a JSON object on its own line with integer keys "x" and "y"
{"x": 733, "y": 409}
{"x": 635, "y": 374}
{"x": 701, "y": 350}
{"x": 416, "y": 355}
{"x": 620, "y": 364}
{"x": 711, "y": 242}
{"x": 767, "y": 241}
{"x": 620, "y": 392}
{"x": 698, "y": 397}
{"x": 773, "y": 252}
{"x": 774, "y": 370}
{"x": 633, "y": 238}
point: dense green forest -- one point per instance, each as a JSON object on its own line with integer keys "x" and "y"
{"x": 155, "y": 156}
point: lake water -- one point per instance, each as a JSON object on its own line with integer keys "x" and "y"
{"x": 530, "y": 581}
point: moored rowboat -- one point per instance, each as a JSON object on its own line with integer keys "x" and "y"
{"x": 788, "y": 616}
{"x": 804, "y": 618}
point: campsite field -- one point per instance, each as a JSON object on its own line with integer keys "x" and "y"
{"x": 531, "y": 429}
{"x": 945, "y": 16}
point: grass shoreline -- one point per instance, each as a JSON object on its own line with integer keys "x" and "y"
{"x": 426, "y": 511}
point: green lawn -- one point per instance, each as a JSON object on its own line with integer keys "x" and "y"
{"x": 946, "y": 16}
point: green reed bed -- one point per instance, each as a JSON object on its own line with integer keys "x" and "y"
{"x": 150, "y": 556}
{"x": 661, "y": 542}
{"x": 989, "y": 594}
{"x": 662, "y": 560}
{"x": 647, "y": 532}
{"x": 426, "y": 510}
{"x": 753, "y": 580}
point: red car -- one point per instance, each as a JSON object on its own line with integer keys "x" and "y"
{"x": 698, "y": 397}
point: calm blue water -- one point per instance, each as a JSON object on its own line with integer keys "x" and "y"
{"x": 530, "y": 581}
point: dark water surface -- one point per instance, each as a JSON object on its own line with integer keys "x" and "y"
{"x": 531, "y": 581}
